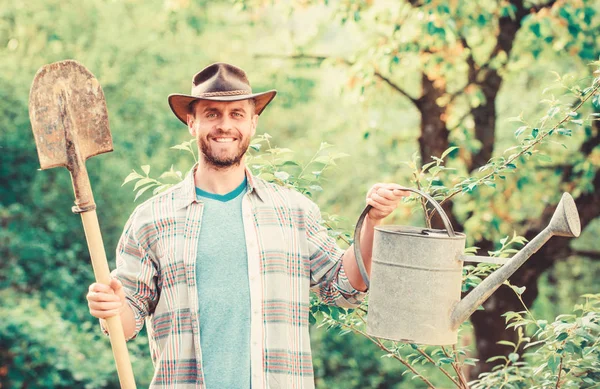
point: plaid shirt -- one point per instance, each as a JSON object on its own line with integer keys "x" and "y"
{"x": 289, "y": 253}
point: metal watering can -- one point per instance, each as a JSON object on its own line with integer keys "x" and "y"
{"x": 416, "y": 275}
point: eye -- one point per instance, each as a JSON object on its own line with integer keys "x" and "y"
{"x": 211, "y": 115}
{"x": 238, "y": 115}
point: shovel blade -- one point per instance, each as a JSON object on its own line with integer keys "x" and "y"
{"x": 68, "y": 111}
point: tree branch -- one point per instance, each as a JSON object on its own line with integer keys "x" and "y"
{"x": 586, "y": 253}
{"x": 318, "y": 58}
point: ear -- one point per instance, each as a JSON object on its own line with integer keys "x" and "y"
{"x": 190, "y": 123}
{"x": 254, "y": 124}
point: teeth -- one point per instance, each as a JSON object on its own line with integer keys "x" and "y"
{"x": 224, "y": 140}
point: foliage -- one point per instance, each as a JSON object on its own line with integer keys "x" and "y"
{"x": 562, "y": 354}
{"x": 46, "y": 352}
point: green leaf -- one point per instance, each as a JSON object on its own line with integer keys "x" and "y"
{"x": 518, "y": 290}
{"x": 146, "y": 169}
{"x": 553, "y": 111}
{"x": 579, "y": 122}
{"x": 132, "y": 176}
{"x": 335, "y": 313}
{"x": 470, "y": 361}
{"x": 513, "y": 357}
{"x": 141, "y": 191}
{"x": 496, "y": 358}
{"x": 544, "y": 157}
{"x": 283, "y": 176}
{"x": 507, "y": 343}
{"x": 564, "y": 131}
{"x": 323, "y": 159}
{"x": 542, "y": 323}
{"x": 517, "y": 118}
{"x": 448, "y": 151}
{"x": 553, "y": 363}
{"x": 142, "y": 182}
{"x": 520, "y": 130}
{"x": 562, "y": 336}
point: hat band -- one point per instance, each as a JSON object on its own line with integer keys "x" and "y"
{"x": 224, "y": 93}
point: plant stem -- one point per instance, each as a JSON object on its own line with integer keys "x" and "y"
{"x": 423, "y": 353}
{"x": 342, "y": 237}
{"x": 387, "y": 350}
{"x": 526, "y": 149}
{"x": 559, "y": 373}
{"x": 390, "y": 352}
{"x": 427, "y": 216}
{"x": 456, "y": 368}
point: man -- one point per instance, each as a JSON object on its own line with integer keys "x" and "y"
{"x": 220, "y": 265}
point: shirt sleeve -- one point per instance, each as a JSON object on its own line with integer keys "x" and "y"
{"x": 328, "y": 278}
{"x": 137, "y": 272}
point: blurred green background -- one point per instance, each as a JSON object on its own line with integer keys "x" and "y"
{"x": 382, "y": 81}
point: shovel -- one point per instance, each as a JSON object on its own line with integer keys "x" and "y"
{"x": 70, "y": 124}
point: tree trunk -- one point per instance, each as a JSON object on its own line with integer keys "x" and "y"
{"x": 434, "y": 132}
{"x": 484, "y": 118}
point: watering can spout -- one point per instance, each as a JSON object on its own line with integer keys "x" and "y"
{"x": 564, "y": 222}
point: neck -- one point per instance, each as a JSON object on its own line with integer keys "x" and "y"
{"x": 219, "y": 180}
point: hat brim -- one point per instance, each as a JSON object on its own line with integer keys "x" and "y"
{"x": 180, "y": 103}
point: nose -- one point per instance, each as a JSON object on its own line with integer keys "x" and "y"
{"x": 225, "y": 124}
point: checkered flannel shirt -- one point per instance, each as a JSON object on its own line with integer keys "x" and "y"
{"x": 289, "y": 253}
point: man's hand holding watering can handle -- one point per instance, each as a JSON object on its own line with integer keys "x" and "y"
{"x": 106, "y": 301}
{"x": 383, "y": 198}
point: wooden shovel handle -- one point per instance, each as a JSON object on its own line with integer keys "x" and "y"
{"x": 102, "y": 273}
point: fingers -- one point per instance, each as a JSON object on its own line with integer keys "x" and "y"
{"x": 104, "y": 306}
{"x": 103, "y": 314}
{"x": 101, "y": 296}
{"x": 101, "y": 288}
{"x": 386, "y": 209}
{"x": 387, "y": 194}
{"x": 384, "y": 198}
{"x": 116, "y": 285}
{"x": 105, "y": 301}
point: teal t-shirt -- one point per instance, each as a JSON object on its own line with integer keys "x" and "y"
{"x": 224, "y": 291}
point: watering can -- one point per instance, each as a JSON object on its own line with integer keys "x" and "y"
{"x": 416, "y": 275}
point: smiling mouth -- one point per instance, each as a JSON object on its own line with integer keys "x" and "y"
{"x": 224, "y": 139}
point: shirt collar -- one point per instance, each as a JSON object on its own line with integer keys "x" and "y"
{"x": 187, "y": 195}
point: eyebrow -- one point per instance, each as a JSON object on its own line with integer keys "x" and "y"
{"x": 213, "y": 109}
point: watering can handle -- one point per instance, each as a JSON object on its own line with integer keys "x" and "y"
{"x": 361, "y": 219}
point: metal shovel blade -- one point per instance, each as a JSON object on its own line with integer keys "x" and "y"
{"x": 68, "y": 111}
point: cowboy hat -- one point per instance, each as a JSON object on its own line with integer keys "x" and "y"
{"x": 219, "y": 82}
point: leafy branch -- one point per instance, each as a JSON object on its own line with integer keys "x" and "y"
{"x": 500, "y": 165}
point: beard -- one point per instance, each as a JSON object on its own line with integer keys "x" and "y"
{"x": 219, "y": 159}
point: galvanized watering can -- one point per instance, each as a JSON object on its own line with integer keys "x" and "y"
{"x": 416, "y": 275}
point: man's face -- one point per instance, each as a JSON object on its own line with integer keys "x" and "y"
{"x": 223, "y": 130}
